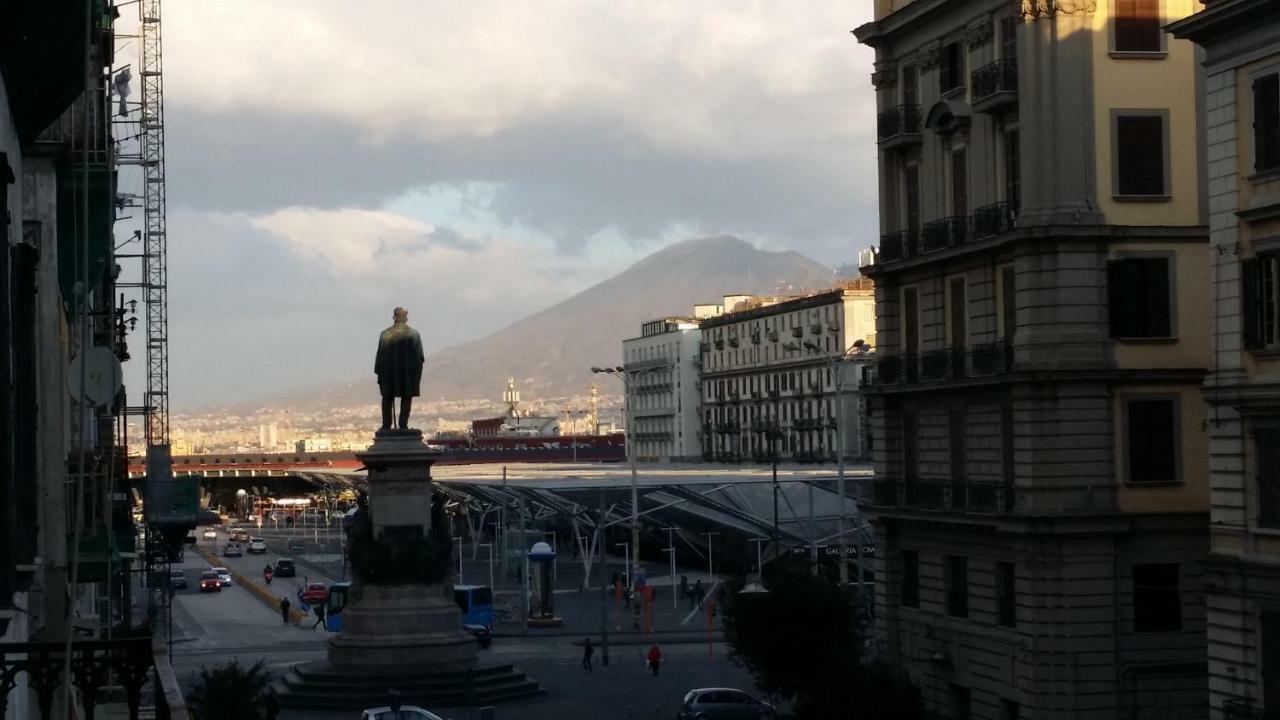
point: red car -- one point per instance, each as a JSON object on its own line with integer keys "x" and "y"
{"x": 315, "y": 593}
{"x": 209, "y": 582}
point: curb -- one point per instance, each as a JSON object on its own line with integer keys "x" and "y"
{"x": 295, "y": 616}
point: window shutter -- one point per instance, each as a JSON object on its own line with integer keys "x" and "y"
{"x": 1158, "y": 318}
{"x": 1251, "y": 303}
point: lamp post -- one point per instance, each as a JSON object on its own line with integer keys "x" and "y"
{"x": 627, "y": 376}
{"x": 490, "y": 548}
{"x": 835, "y": 362}
{"x": 671, "y": 548}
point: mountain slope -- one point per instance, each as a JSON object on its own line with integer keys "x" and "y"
{"x": 550, "y": 353}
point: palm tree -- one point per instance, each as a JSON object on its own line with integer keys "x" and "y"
{"x": 230, "y": 691}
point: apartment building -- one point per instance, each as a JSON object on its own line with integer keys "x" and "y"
{"x": 1240, "y": 141}
{"x": 771, "y": 371}
{"x": 1041, "y": 480}
{"x": 662, "y": 393}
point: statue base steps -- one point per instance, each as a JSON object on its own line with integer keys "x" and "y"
{"x": 320, "y": 685}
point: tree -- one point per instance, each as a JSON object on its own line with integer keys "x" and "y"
{"x": 800, "y": 641}
{"x": 230, "y": 691}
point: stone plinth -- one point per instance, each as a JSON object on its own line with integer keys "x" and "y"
{"x": 403, "y": 625}
{"x": 399, "y": 466}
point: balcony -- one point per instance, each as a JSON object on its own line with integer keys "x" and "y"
{"x": 978, "y": 497}
{"x": 895, "y": 370}
{"x": 994, "y": 219}
{"x": 797, "y": 332}
{"x": 898, "y": 127}
{"x": 995, "y": 86}
{"x": 992, "y": 358}
{"x": 945, "y": 364}
{"x": 944, "y": 233}
{"x": 719, "y": 344}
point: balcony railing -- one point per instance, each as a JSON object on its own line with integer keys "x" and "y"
{"x": 993, "y": 219}
{"x": 970, "y": 496}
{"x": 899, "y": 245}
{"x": 944, "y": 233}
{"x": 995, "y": 85}
{"x": 900, "y": 123}
{"x": 992, "y": 358}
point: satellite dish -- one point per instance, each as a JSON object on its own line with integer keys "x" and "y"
{"x": 102, "y": 376}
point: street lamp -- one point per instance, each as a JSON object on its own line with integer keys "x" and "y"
{"x": 835, "y": 362}
{"x": 627, "y": 376}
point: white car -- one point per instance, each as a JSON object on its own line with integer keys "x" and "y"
{"x": 257, "y": 546}
{"x": 404, "y": 712}
{"x": 210, "y": 534}
{"x": 224, "y": 575}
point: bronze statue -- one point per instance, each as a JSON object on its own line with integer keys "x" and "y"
{"x": 399, "y": 367}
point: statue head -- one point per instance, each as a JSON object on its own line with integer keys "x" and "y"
{"x": 400, "y": 315}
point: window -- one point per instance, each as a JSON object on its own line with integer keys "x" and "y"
{"x": 1151, "y": 447}
{"x": 1012, "y": 170}
{"x": 1266, "y": 123}
{"x": 910, "y": 321}
{"x": 1157, "y": 604}
{"x": 1140, "y": 298}
{"x": 1140, "y": 155}
{"x": 960, "y": 703}
{"x": 1006, "y": 595}
{"x": 910, "y": 87}
{"x": 1270, "y": 622}
{"x": 911, "y": 178}
{"x": 957, "y": 313}
{"x": 1266, "y": 444}
{"x": 1009, "y": 37}
{"x": 910, "y": 579}
{"x": 959, "y": 183}
{"x": 1008, "y": 302}
{"x": 1138, "y": 26}
{"x": 1260, "y": 279}
{"x": 957, "y": 579}
{"x": 951, "y": 67}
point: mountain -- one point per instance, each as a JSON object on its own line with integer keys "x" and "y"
{"x": 550, "y": 353}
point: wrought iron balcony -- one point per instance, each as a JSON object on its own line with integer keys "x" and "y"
{"x": 896, "y": 370}
{"x": 979, "y": 497}
{"x": 992, "y": 358}
{"x": 797, "y": 331}
{"x": 995, "y": 86}
{"x": 898, "y": 126}
{"x": 944, "y": 233}
{"x": 994, "y": 219}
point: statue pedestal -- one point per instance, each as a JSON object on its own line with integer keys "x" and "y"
{"x": 403, "y": 625}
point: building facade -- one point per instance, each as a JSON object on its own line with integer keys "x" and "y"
{"x": 662, "y": 390}
{"x": 1040, "y": 492}
{"x": 1240, "y": 141}
{"x": 771, "y": 371}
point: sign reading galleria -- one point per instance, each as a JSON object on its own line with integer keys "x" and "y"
{"x": 831, "y": 551}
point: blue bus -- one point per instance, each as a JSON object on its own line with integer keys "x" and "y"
{"x": 476, "y": 603}
{"x": 338, "y": 594}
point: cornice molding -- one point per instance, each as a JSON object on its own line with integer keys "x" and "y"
{"x": 885, "y": 76}
{"x": 978, "y": 32}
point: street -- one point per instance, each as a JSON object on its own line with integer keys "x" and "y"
{"x": 235, "y": 624}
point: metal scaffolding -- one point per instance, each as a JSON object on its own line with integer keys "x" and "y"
{"x": 155, "y": 262}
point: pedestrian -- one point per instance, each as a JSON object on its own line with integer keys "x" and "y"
{"x": 697, "y": 593}
{"x": 319, "y": 610}
{"x": 655, "y": 659}
{"x": 613, "y": 580}
{"x": 626, "y": 598}
{"x": 587, "y": 652}
{"x": 284, "y": 610}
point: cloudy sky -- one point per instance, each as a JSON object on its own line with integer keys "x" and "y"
{"x": 476, "y": 161}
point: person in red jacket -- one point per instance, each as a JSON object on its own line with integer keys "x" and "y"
{"x": 655, "y": 658}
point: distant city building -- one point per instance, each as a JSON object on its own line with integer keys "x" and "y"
{"x": 662, "y": 392}
{"x": 313, "y": 444}
{"x": 1240, "y": 136}
{"x": 1040, "y": 457}
{"x": 771, "y": 368}
{"x": 268, "y": 436}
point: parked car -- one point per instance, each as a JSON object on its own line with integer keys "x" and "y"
{"x": 178, "y": 580}
{"x": 315, "y": 593}
{"x": 232, "y": 549}
{"x": 285, "y": 568}
{"x": 723, "y": 704}
{"x": 210, "y": 582}
{"x": 210, "y": 534}
{"x": 403, "y": 712}
{"x": 257, "y": 546}
{"x": 224, "y": 576}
